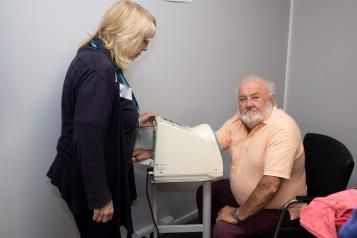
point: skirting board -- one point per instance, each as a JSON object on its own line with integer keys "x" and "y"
{"x": 147, "y": 230}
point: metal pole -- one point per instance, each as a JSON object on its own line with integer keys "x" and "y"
{"x": 206, "y": 209}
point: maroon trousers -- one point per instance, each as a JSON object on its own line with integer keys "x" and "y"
{"x": 221, "y": 196}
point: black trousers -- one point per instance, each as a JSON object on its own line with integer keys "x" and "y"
{"x": 91, "y": 229}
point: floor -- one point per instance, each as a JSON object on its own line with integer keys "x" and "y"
{"x": 184, "y": 235}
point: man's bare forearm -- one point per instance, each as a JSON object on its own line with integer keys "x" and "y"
{"x": 260, "y": 197}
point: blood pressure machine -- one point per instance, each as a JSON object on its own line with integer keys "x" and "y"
{"x": 185, "y": 154}
{"x": 182, "y": 153}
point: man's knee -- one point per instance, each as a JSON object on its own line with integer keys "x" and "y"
{"x": 226, "y": 230}
{"x": 220, "y": 230}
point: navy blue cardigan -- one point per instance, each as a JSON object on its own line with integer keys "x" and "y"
{"x": 93, "y": 163}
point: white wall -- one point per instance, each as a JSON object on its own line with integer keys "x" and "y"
{"x": 196, "y": 61}
{"x": 198, "y": 57}
{"x": 322, "y": 83}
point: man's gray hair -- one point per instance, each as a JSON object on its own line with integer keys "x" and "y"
{"x": 270, "y": 86}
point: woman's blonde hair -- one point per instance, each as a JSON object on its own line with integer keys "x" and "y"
{"x": 123, "y": 29}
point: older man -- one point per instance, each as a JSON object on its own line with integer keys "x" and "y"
{"x": 267, "y": 167}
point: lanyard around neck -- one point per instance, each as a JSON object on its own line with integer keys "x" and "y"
{"x": 119, "y": 74}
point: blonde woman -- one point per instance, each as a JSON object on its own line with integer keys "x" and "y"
{"x": 93, "y": 167}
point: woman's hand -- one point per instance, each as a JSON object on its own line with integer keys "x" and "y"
{"x": 142, "y": 154}
{"x": 104, "y": 214}
{"x": 146, "y": 119}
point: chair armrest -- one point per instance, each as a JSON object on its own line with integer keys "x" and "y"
{"x": 305, "y": 199}
{"x": 283, "y": 212}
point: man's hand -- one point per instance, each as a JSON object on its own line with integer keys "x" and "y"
{"x": 146, "y": 119}
{"x": 142, "y": 154}
{"x": 104, "y": 214}
{"x": 225, "y": 214}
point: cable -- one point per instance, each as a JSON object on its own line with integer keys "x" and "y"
{"x": 147, "y": 196}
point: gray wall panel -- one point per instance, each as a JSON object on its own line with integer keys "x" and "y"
{"x": 322, "y": 82}
{"x": 200, "y": 53}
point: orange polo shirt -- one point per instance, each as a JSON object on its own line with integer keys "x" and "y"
{"x": 272, "y": 148}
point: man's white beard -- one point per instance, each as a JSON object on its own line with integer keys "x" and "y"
{"x": 252, "y": 117}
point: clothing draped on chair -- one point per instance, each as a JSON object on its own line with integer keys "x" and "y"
{"x": 324, "y": 214}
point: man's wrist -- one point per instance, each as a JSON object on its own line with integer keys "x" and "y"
{"x": 235, "y": 214}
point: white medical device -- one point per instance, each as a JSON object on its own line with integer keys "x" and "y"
{"x": 182, "y": 153}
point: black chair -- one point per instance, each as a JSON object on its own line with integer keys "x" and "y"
{"x": 328, "y": 165}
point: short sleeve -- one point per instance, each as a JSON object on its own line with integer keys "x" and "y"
{"x": 224, "y": 133}
{"x": 283, "y": 148}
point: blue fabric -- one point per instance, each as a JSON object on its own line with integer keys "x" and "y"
{"x": 349, "y": 229}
